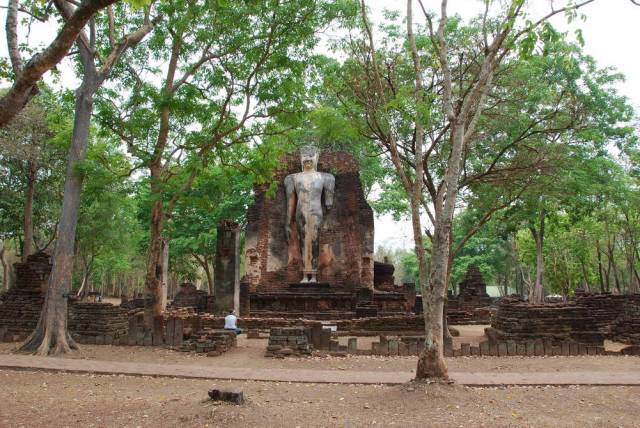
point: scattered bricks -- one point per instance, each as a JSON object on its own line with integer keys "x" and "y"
{"x": 484, "y": 348}
{"x": 403, "y": 349}
{"x": 384, "y": 346}
{"x": 315, "y": 335}
{"x": 565, "y": 349}
{"x": 511, "y": 348}
{"x": 325, "y": 339}
{"x": 393, "y": 347}
{"x": 465, "y": 349}
{"x": 582, "y": 349}
{"x": 493, "y": 349}
{"x": 352, "y": 345}
{"x": 521, "y": 349}
{"x": 148, "y": 340}
{"x": 502, "y": 349}
{"x": 170, "y": 331}
{"x": 233, "y": 397}
{"x": 531, "y": 348}
{"x": 538, "y": 348}
{"x": 574, "y": 348}
{"x": 178, "y": 332}
{"x": 287, "y": 341}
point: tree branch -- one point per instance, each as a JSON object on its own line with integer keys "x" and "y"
{"x": 24, "y": 87}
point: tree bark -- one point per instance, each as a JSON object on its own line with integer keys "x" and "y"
{"x": 153, "y": 277}
{"x": 5, "y": 270}
{"x": 600, "y": 268}
{"x": 51, "y": 336}
{"x": 204, "y": 262}
{"x": 27, "y": 247}
{"x": 537, "y": 296}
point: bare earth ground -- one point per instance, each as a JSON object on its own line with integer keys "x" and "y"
{"x": 60, "y": 399}
{"x": 37, "y": 399}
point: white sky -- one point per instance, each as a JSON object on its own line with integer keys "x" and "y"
{"x": 611, "y": 36}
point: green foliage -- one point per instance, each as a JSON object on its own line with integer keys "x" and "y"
{"x": 36, "y": 139}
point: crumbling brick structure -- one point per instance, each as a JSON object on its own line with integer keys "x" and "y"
{"x": 287, "y": 341}
{"x": 98, "y": 323}
{"x": 20, "y": 310}
{"x": 346, "y": 236}
{"x": 588, "y": 319}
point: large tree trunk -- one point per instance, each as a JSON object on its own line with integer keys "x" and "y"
{"x": 431, "y": 362}
{"x": 51, "y": 335}
{"x": 153, "y": 277}
{"x": 27, "y": 247}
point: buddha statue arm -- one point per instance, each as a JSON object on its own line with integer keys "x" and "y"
{"x": 329, "y": 186}
{"x": 291, "y": 204}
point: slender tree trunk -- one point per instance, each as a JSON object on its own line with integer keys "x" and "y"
{"x": 600, "y": 268}
{"x": 613, "y": 266}
{"x": 51, "y": 335}
{"x": 27, "y": 248}
{"x": 5, "y": 270}
{"x": 538, "y": 235}
{"x": 207, "y": 271}
{"x": 584, "y": 276}
{"x": 431, "y": 362}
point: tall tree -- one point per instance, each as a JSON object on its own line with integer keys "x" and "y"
{"x": 423, "y": 97}
{"x": 231, "y": 68}
{"x": 51, "y": 335}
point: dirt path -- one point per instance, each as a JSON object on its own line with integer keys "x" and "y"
{"x": 310, "y": 375}
{"x": 37, "y": 399}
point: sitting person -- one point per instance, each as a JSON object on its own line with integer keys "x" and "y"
{"x": 230, "y": 322}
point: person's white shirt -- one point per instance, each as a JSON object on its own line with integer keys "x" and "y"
{"x": 230, "y": 321}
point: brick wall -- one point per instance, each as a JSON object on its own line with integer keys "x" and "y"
{"x": 346, "y": 237}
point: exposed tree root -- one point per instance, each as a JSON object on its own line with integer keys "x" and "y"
{"x": 431, "y": 366}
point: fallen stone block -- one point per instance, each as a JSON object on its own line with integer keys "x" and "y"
{"x": 233, "y": 397}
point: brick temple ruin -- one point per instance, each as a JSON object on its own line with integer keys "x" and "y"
{"x": 353, "y": 293}
{"x": 349, "y": 281}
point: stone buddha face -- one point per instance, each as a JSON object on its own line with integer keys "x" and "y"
{"x": 309, "y": 158}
